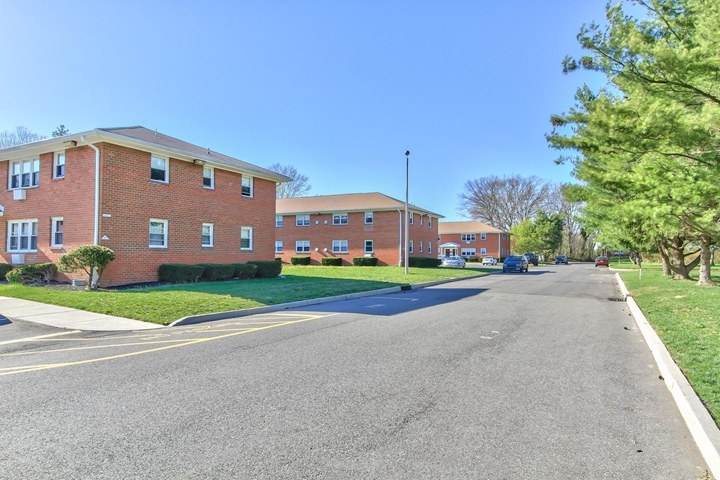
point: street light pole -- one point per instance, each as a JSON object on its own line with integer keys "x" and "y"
{"x": 407, "y": 214}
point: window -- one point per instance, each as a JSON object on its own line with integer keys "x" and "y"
{"x": 421, "y": 220}
{"x": 368, "y": 218}
{"x": 429, "y": 222}
{"x": 279, "y": 221}
{"x": 247, "y": 186}
{"x": 339, "y": 246}
{"x": 483, "y": 252}
{"x": 278, "y": 246}
{"x": 207, "y": 235}
{"x": 483, "y": 236}
{"x": 467, "y": 252}
{"x": 208, "y": 177}
{"x": 467, "y": 237}
{"x": 420, "y": 244}
{"x": 340, "y": 219}
{"x": 410, "y": 250}
{"x": 158, "y": 233}
{"x": 246, "y": 238}
{"x": 302, "y": 220}
{"x": 412, "y": 218}
{"x": 22, "y": 236}
{"x": 25, "y": 173}
{"x": 158, "y": 169}
{"x": 56, "y": 227}
{"x": 59, "y": 165}
{"x": 302, "y": 246}
{"x": 429, "y": 247}
{"x": 368, "y": 246}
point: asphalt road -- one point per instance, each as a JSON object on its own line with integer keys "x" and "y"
{"x": 509, "y": 376}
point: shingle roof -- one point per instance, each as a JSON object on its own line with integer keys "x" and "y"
{"x": 348, "y": 202}
{"x": 465, "y": 227}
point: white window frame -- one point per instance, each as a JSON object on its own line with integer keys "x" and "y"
{"x": 429, "y": 248}
{"x": 483, "y": 252}
{"x": 164, "y": 232}
{"x": 279, "y": 220}
{"x": 369, "y": 216}
{"x": 211, "y": 234}
{"x": 429, "y": 222}
{"x": 365, "y": 246}
{"x": 278, "y": 246}
{"x": 483, "y": 236}
{"x": 302, "y": 220}
{"x": 467, "y": 237}
{"x": 32, "y": 228}
{"x": 339, "y": 246}
{"x": 302, "y": 246}
{"x": 30, "y": 167}
{"x": 412, "y": 247}
{"x": 420, "y": 244}
{"x": 246, "y": 183}
{"x": 58, "y": 163}
{"x": 421, "y": 220}
{"x": 54, "y": 230}
{"x": 468, "y": 252}
{"x": 166, "y": 162}
{"x": 249, "y": 237}
{"x": 211, "y": 170}
{"x": 339, "y": 217}
{"x": 412, "y": 218}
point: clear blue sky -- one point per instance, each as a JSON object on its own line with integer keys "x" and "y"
{"x": 338, "y": 89}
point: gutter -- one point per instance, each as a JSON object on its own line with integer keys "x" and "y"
{"x": 96, "y": 229}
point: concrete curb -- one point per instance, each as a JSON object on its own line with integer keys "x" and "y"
{"x": 209, "y": 317}
{"x": 701, "y": 425}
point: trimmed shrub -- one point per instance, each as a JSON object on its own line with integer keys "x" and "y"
{"x": 179, "y": 272}
{"x": 278, "y": 259}
{"x": 365, "y": 261}
{"x": 245, "y": 270}
{"x": 35, "y": 274}
{"x": 331, "y": 261}
{"x": 423, "y": 262}
{"x": 87, "y": 258}
{"x": 473, "y": 259}
{"x": 215, "y": 271}
{"x": 267, "y": 268}
{"x": 304, "y": 260}
{"x": 4, "y": 269}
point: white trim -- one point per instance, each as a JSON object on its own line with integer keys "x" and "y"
{"x": 483, "y": 236}
{"x": 56, "y": 157}
{"x": 279, "y": 243}
{"x": 19, "y": 222}
{"x": 33, "y": 162}
{"x": 165, "y": 232}
{"x": 371, "y": 216}
{"x": 300, "y": 220}
{"x": 167, "y": 168}
{"x": 279, "y": 224}
{"x": 372, "y": 246}
{"x": 340, "y": 217}
{"x": 54, "y": 231}
{"x": 429, "y": 248}
{"x": 250, "y": 185}
{"x": 337, "y": 246}
{"x": 411, "y": 247}
{"x": 250, "y": 238}
{"x": 483, "y": 252}
{"x": 212, "y": 235}
{"x": 301, "y": 243}
{"x": 212, "y": 177}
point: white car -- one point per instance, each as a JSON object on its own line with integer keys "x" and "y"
{"x": 453, "y": 262}
{"x": 489, "y": 261}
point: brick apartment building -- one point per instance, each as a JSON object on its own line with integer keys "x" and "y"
{"x": 472, "y": 239}
{"x": 151, "y": 198}
{"x": 352, "y": 225}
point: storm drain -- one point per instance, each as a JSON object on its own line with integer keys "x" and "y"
{"x": 616, "y": 299}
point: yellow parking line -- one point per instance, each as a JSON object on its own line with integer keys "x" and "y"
{"x": 41, "y": 337}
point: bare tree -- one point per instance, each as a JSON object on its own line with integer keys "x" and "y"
{"x": 9, "y": 138}
{"x": 505, "y": 202}
{"x": 297, "y": 188}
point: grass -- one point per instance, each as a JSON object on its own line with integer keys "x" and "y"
{"x": 163, "y": 305}
{"x": 687, "y": 319}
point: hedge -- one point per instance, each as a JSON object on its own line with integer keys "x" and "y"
{"x": 331, "y": 261}
{"x": 4, "y": 269}
{"x": 365, "y": 261}
{"x": 35, "y": 274}
{"x": 179, "y": 272}
{"x": 245, "y": 270}
{"x": 267, "y": 268}
{"x": 304, "y": 260}
{"x": 215, "y": 271}
{"x": 424, "y": 262}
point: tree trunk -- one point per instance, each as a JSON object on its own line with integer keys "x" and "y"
{"x": 705, "y": 261}
{"x": 666, "y": 267}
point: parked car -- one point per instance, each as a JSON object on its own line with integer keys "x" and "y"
{"x": 453, "y": 262}
{"x": 531, "y": 258}
{"x": 515, "y": 263}
{"x": 489, "y": 261}
{"x": 602, "y": 260}
{"x": 561, "y": 259}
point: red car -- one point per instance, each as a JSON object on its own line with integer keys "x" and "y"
{"x": 602, "y": 261}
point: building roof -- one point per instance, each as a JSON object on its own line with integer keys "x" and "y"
{"x": 348, "y": 202}
{"x": 142, "y": 138}
{"x": 465, "y": 227}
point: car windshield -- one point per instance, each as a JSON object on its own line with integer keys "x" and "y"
{"x": 513, "y": 258}
{"x": 602, "y": 258}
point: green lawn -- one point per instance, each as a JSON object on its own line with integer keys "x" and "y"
{"x": 687, "y": 319}
{"x": 163, "y": 305}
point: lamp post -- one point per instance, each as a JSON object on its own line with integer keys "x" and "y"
{"x": 407, "y": 214}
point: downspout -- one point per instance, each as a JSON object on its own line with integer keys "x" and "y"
{"x": 96, "y": 231}
{"x": 499, "y": 244}
{"x": 400, "y": 224}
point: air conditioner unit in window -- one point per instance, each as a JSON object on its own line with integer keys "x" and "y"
{"x": 19, "y": 194}
{"x": 17, "y": 258}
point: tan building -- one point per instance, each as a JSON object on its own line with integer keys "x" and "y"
{"x": 472, "y": 239}
{"x": 352, "y": 225}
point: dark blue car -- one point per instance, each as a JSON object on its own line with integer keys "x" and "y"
{"x": 515, "y": 263}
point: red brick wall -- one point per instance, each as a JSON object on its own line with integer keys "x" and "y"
{"x": 384, "y": 232}
{"x": 490, "y": 243}
{"x": 130, "y": 199}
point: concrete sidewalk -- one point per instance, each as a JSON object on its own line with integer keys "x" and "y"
{"x": 69, "y": 318}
